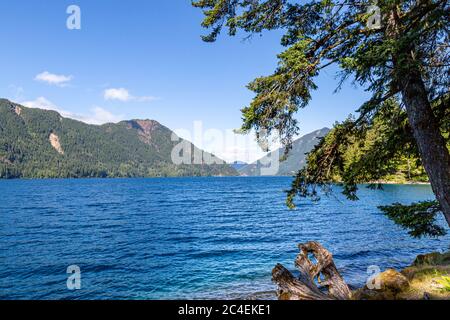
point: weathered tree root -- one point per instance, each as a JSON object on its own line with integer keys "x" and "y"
{"x": 332, "y": 286}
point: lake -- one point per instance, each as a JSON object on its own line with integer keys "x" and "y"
{"x": 189, "y": 238}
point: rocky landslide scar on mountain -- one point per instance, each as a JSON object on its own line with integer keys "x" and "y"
{"x": 54, "y": 141}
{"x": 145, "y": 129}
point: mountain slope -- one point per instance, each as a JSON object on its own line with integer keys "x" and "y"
{"x": 238, "y": 164}
{"x": 296, "y": 159}
{"x": 37, "y": 143}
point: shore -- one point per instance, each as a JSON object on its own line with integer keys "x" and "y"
{"x": 428, "y": 278}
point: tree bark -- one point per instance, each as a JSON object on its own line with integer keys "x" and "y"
{"x": 304, "y": 287}
{"x": 431, "y": 143}
{"x": 425, "y": 127}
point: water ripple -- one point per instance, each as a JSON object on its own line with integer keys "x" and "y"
{"x": 187, "y": 237}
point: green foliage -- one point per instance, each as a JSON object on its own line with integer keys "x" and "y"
{"x": 419, "y": 218}
{"x": 378, "y": 144}
{"x": 376, "y": 149}
{"x": 445, "y": 282}
{"x": 372, "y": 150}
{"x": 110, "y": 150}
{"x": 368, "y": 150}
{"x": 320, "y": 33}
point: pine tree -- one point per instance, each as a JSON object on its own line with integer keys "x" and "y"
{"x": 398, "y": 50}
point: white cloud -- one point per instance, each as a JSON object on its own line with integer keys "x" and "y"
{"x": 41, "y": 103}
{"x": 97, "y": 115}
{"x": 122, "y": 94}
{"x": 53, "y": 79}
{"x": 101, "y": 116}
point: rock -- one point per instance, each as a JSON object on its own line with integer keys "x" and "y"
{"x": 432, "y": 259}
{"x": 391, "y": 283}
{"x": 367, "y": 294}
{"x": 54, "y": 141}
{"x": 393, "y": 280}
{"x": 427, "y": 259}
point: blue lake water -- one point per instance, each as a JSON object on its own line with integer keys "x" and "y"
{"x": 186, "y": 237}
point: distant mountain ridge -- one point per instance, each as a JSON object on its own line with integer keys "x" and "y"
{"x": 238, "y": 164}
{"x": 296, "y": 159}
{"x": 36, "y": 143}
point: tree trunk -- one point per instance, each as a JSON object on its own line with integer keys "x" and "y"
{"x": 304, "y": 287}
{"x": 431, "y": 143}
{"x": 432, "y": 147}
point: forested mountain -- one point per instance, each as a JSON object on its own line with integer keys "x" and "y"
{"x": 295, "y": 160}
{"x": 37, "y": 143}
{"x": 403, "y": 168}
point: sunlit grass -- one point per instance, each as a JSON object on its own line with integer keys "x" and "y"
{"x": 445, "y": 282}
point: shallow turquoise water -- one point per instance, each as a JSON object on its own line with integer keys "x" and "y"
{"x": 185, "y": 237}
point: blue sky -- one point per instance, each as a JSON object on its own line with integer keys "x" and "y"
{"x": 144, "y": 59}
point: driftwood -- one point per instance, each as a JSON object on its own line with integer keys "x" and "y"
{"x": 304, "y": 287}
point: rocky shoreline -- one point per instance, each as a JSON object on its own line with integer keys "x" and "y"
{"x": 426, "y": 279}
